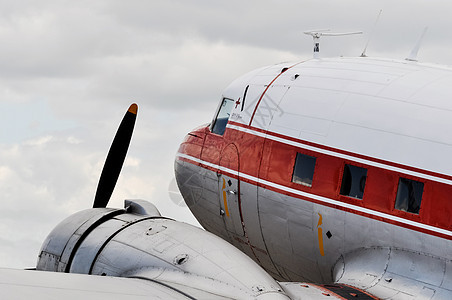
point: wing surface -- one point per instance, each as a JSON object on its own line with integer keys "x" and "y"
{"x": 25, "y": 284}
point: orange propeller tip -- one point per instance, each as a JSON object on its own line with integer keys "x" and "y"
{"x": 133, "y": 108}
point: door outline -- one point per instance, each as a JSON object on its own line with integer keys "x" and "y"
{"x": 229, "y": 190}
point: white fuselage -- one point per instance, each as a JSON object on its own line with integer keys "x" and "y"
{"x": 381, "y": 120}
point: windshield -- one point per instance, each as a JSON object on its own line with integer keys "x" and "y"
{"x": 222, "y": 118}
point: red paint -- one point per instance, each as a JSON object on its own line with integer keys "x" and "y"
{"x": 273, "y": 161}
{"x": 237, "y": 103}
{"x": 194, "y": 142}
{"x": 344, "y": 152}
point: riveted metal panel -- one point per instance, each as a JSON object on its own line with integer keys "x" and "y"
{"x": 89, "y": 248}
{"x": 59, "y": 245}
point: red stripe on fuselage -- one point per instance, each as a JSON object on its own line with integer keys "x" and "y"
{"x": 323, "y": 203}
{"x": 269, "y": 164}
{"x": 344, "y": 152}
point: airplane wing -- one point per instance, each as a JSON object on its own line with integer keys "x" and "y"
{"x": 25, "y": 284}
{"x": 32, "y": 284}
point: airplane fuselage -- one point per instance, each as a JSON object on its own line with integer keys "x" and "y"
{"x": 328, "y": 168}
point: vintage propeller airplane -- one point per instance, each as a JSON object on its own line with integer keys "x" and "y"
{"x": 332, "y": 171}
{"x": 321, "y": 179}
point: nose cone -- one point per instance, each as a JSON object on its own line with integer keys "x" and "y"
{"x": 197, "y": 179}
{"x": 193, "y": 142}
{"x": 187, "y": 165}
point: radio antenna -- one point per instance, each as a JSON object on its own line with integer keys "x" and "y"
{"x": 316, "y": 34}
{"x": 371, "y": 34}
{"x": 415, "y": 50}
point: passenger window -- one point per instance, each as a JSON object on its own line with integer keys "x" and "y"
{"x": 353, "y": 181}
{"x": 409, "y": 195}
{"x": 222, "y": 118}
{"x": 303, "y": 171}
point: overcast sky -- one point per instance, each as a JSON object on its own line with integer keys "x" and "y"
{"x": 70, "y": 69}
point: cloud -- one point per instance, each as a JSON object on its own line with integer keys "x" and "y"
{"x": 46, "y": 178}
{"x": 69, "y": 70}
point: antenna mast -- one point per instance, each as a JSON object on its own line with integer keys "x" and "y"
{"x": 415, "y": 50}
{"x": 371, "y": 34}
{"x": 316, "y": 34}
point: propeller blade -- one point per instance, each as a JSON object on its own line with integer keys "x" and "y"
{"x": 115, "y": 158}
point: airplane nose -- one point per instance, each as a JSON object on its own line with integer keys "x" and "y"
{"x": 193, "y": 142}
{"x": 197, "y": 179}
{"x": 187, "y": 163}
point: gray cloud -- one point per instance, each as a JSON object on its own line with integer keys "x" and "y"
{"x": 69, "y": 70}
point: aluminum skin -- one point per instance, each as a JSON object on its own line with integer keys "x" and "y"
{"x": 385, "y": 116}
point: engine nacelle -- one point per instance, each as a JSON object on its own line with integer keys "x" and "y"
{"x": 138, "y": 242}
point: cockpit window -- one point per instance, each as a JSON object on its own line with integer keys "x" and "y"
{"x": 222, "y": 118}
{"x": 409, "y": 195}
